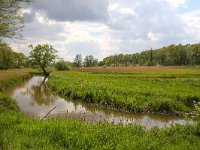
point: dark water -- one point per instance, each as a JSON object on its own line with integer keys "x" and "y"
{"x": 35, "y": 99}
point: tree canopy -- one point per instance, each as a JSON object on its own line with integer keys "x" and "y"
{"x": 10, "y": 59}
{"x": 173, "y": 55}
{"x": 11, "y": 18}
{"x": 78, "y": 61}
{"x": 62, "y": 65}
{"x": 90, "y": 61}
{"x": 42, "y": 55}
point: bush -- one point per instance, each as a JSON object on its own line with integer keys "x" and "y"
{"x": 62, "y": 65}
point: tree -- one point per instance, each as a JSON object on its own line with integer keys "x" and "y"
{"x": 90, "y": 61}
{"x": 9, "y": 58}
{"x": 167, "y": 56}
{"x": 151, "y": 62}
{"x": 6, "y": 60}
{"x": 11, "y": 18}
{"x": 19, "y": 59}
{"x": 42, "y": 55}
{"x": 195, "y": 54}
{"x": 62, "y": 65}
{"x": 78, "y": 60}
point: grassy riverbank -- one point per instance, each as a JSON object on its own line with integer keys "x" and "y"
{"x": 169, "y": 90}
{"x": 14, "y": 76}
{"x": 20, "y": 132}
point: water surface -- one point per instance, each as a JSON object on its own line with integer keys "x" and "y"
{"x": 35, "y": 99}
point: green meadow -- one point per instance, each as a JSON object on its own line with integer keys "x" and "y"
{"x": 169, "y": 91}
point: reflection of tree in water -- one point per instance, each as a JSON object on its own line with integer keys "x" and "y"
{"x": 40, "y": 94}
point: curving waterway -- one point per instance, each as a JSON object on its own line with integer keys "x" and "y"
{"x": 35, "y": 99}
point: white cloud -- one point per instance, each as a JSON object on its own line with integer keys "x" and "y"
{"x": 126, "y": 26}
{"x": 192, "y": 28}
{"x": 154, "y": 37}
{"x": 178, "y": 3}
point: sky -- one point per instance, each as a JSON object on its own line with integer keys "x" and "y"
{"x": 106, "y": 27}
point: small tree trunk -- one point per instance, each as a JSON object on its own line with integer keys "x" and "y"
{"x": 44, "y": 71}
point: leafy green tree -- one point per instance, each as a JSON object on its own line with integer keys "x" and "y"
{"x": 9, "y": 58}
{"x": 78, "y": 60}
{"x": 101, "y": 63}
{"x": 19, "y": 59}
{"x": 43, "y": 55}
{"x": 195, "y": 54}
{"x": 6, "y": 60}
{"x": 62, "y": 65}
{"x": 11, "y": 18}
{"x": 90, "y": 61}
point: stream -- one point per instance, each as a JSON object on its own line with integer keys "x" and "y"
{"x": 36, "y": 100}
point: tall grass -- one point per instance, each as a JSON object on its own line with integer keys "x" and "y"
{"x": 166, "y": 91}
{"x": 11, "y": 77}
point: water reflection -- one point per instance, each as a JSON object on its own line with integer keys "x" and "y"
{"x": 35, "y": 99}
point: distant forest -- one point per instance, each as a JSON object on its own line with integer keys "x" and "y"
{"x": 173, "y": 55}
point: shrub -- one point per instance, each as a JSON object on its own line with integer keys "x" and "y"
{"x": 62, "y": 65}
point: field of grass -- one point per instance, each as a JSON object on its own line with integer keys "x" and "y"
{"x": 20, "y": 132}
{"x": 169, "y": 90}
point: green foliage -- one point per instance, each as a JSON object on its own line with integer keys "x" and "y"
{"x": 78, "y": 60}
{"x": 11, "y": 20}
{"x": 9, "y": 58}
{"x": 19, "y": 60}
{"x": 62, "y": 65}
{"x": 173, "y": 55}
{"x": 43, "y": 55}
{"x": 7, "y": 103}
{"x": 195, "y": 54}
{"x": 5, "y": 56}
{"x": 169, "y": 91}
{"x": 90, "y": 61}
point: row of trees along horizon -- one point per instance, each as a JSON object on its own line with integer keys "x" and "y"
{"x": 173, "y": 55}
{"x": 11, "y": 25}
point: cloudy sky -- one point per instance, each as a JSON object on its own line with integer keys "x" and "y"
{"x": 106, "y": 27}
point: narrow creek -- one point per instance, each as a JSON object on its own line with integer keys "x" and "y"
{"x": 35, "y": 99}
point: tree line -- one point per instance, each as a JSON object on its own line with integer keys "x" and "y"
{"x": 10, "y": 59}
{"x": 173, "y": 55}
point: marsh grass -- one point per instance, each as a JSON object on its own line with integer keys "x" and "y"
{"x": 170, "y": 91}
{"x": 13, "y": 76}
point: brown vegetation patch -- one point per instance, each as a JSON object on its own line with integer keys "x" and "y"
{"x": 130, "y": 69}
{"x": 9, "y": 74}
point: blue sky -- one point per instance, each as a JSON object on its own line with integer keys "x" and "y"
{"x": 190, "y": 6}
{"x": 106, "y": 27}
